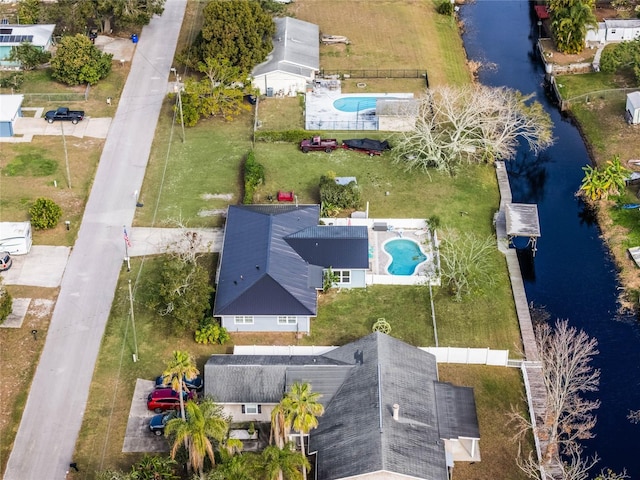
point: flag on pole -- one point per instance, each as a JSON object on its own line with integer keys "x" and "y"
{"x": 126, "y": 238}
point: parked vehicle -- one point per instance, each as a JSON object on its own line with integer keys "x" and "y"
{"x": 193, "y": 384}
{"x": 317, "y": 143}
{"x": 5, "y": 261}
{"x": 64, "y": 114}
{"x": 366, "y": 145}
{"x": 159, "y": 421}
{"x": 331, "y": 39}
{"x": 15, "y": 237}
{"x": 164, "y": 399}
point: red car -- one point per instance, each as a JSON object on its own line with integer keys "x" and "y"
{"x": 166, "y": 399}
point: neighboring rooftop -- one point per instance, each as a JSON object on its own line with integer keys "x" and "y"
{"x": 296, "y": 48}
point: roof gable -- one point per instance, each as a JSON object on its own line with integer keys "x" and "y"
{"x": 388, "y": 372}
{"x": 296, "y": 48}
{"x": 259, "y": 272}
{"x": 332, "y": 246}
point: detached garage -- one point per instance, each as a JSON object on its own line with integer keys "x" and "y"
{"x": 294, "y": 61}
{"x": 633, "y": 108}
{"x": 10, "y": 110}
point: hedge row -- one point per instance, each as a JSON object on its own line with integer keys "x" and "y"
{"x": 253, "y": 177}
{"x": 293, "y": 136}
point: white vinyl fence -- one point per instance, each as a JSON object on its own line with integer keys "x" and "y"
{"x": 472, "y": 356}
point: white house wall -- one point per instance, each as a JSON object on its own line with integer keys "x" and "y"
{"x": 266, "y": 323}
{"x": 283, "y": 83}
{"x": 235, "y": 411}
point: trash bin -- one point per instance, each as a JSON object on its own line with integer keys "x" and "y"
{"x": 269, "y": 91}
{"x": 134, "y": 37}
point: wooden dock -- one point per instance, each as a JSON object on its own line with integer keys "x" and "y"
{"x": 531, "y": 367}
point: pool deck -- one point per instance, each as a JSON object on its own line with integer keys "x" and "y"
{"x": 320, "y": 114}
{"x": 409, "y": 228}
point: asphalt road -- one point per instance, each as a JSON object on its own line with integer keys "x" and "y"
{"x": 53, "y": 414}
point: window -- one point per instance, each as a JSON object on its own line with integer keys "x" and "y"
{"x": 287, "y": 320}
{"x": 343, "y": 276}
{"x": 251, "y": 409}
{"x": 243, "y": 319}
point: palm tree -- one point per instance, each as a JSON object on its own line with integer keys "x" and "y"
{"x": 180, "y": 366}
{"x": 570, "y": 20}
{"x": 237, "y": 467}
{"x": 279, "y": 426}
{"x": 282, "y": 463}
{"x": 301, "y": 409}
{"x": 202, "y": 424}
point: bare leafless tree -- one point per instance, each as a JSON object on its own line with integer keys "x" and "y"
{"x": 457, "y": 125}
{"x": 566, "y": 354}
{"x": 465, "y": 264}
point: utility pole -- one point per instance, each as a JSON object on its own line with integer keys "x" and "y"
{"x": 133, "y": 324}
{"x": 66, "y": 154}
{"x": 177, "y": 88}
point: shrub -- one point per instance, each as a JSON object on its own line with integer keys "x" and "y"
{"x": 445, "y": 8}
{"x": 6, "y": 304}
{"x": 44, "y": 213}
{"x": 253, "y": 177}
{"x": 338, "y": 196}
{"x": 211, "y": 332}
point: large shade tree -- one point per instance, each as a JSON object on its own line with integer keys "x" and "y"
{"x": 77, "y": 61}
{"x": 472, "y": 124}
{"x": 570, "y": 20}
{"x": 239, "y": 31}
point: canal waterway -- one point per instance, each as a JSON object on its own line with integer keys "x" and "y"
{"x": 572, "y": 274}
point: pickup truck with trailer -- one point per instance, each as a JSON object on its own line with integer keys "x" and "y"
{"x": 317, "y": 143}
{"x": 64, "y": 114}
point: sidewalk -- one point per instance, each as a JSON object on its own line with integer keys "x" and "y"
{"x": 46, "y": 439}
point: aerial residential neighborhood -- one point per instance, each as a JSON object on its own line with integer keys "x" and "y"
{"x": 287, "y": 239}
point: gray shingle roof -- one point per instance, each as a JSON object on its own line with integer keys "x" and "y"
{"x": 456, "y": 411}
{"x": 260, "y": 274}
{"x": 332, "y": 246}
{"x": 271, "y": 258}
{"x": 358, "y": 427}
{"x": 265, "y": 378}
{"x": 296, "y": 49}
{"x": 360, "y": 382}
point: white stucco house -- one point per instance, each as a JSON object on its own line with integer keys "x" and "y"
{"x": 294, "y": 61}
{"x": 12, "y": 36}
{"x": 10, "y": 110}
{"x": 614, "y": 30}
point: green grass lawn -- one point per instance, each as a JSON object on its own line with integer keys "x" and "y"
{"x": 185, "y": 180}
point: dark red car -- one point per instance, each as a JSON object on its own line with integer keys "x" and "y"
{"x": 166, "y": 399}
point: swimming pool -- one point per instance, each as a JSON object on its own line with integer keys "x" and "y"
{"x": 355, "y": 104}
{"x": 405, "y": 255}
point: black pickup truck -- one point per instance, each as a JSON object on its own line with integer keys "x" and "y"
{"x": 63, "y": 113}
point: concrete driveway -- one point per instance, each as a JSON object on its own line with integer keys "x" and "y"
{"x": 45, "y": 441}
{"x": 138, "y": 437}
{"x": 43, "y": 266}
{"x": 89, "y": 127}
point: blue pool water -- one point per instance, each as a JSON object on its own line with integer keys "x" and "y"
{"x": 355, "y": 104}
{"x": 405, "y": 254}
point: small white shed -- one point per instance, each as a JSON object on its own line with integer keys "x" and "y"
{"x": 15, "y": 237}
{"x": 633, "y": 108}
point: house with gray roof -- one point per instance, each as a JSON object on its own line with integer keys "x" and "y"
{"x": 272, "y": 265}
{"x": 294, "y": 61}
{"x": 386, "y": 413}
